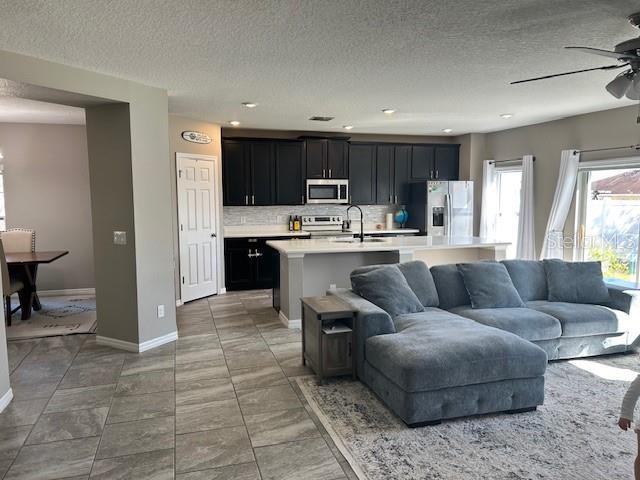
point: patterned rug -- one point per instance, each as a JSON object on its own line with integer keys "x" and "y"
{"x": 62, "y": 315}
{"x": 572, "y": 436}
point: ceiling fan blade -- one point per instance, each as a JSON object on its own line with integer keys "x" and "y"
{"x": 608, "y": 67}
{"x": 633, "y": 91}
{"x": 606, "y": 53}
{"x": 619, "y": 86}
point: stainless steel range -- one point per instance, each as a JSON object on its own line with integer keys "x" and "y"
{"x": 324, "y": 226}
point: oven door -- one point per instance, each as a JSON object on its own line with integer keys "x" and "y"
{"x": 327, "y": 191}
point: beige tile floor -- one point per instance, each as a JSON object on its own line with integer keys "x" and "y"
{"x": 219, "y": 403}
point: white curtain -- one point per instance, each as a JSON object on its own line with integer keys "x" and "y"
{"x": 489, "y": 207}
{"x": 553, "y": 245}
{"x": 526, "y": 246}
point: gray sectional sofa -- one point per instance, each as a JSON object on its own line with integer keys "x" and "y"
{"x": 438, "y": 356}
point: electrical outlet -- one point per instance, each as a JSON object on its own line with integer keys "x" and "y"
{"x": 119, "y": 238}
{"x": 279, "y": 219}
{"x": 243, "y": 220}
{"x": 332, "y": 286}
{"x": 160, "y": 311}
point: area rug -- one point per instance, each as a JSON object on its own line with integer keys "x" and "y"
{"x": 63, "y": 315}
{"x": 572, "y": 436}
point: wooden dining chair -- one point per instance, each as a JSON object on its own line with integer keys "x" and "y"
{"x": 10, "y": 285}
{"x": 18, "y": 240}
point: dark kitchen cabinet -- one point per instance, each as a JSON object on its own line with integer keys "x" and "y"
{"x": 422, "y": 162}
{"x": 289, "y": 173}
{"x": 384, "y": 174}
{"x": 235, "y": 173}
{"x": 248, "y": 172}
{"x": 362, "y": 173}
{"x": 401, "y": 174}
{"x": 327, "y": 158}
{"x": 249, "y": 264}
{"x": 446, "y": 162}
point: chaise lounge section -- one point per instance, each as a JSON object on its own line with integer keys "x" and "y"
{"x": 444, "y": 359}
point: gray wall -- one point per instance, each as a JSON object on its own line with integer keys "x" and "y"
{"x": 177, "y": 144}
{"x": 46, "y": 186}
{"x": 608, "y": 128}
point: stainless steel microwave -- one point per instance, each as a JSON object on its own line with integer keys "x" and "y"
{"x": 327, "y": 191}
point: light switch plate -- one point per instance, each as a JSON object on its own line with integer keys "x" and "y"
{"x": 119, "y": 238}
{"x": 160, "y": 311}
{"x": 243, "y": 220}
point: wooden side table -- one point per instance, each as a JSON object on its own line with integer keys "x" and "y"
{"x": 328, "y": 327}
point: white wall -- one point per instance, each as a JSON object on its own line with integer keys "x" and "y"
{"x": 46, "y": 183}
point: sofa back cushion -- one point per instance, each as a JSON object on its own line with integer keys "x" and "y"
{"x": 450, "y": 285}
{"x": 575, "y": 282}
{"x": 529, "y": 278}
{"x": 418, "y": 277}
{"x": 387, "y": 288}
{"x": 489, "y": 285}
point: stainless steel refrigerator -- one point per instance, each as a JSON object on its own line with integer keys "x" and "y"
{"x": 441, "y": 208}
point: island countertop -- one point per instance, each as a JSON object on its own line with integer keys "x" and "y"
{"x": 300, "y": 247}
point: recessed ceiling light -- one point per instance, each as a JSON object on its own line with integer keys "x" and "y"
{"x": 250, "y": 104}
{"x": 447, "y": 130}
{"x": 388, "y": 111}
{"x": 347, "y": 127}
{"x": 235, "y": 123}
{"x": 506, "y": 115}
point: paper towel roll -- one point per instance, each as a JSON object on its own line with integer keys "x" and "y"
{"x": 389, "y": 218}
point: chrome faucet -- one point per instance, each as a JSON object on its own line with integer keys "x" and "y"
{"x": 361, "y": 220}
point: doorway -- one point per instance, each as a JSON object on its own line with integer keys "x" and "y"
{"x": 197, "y": 225}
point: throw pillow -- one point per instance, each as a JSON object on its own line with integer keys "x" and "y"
{"x": 421, "y": 282}
{"x": 575, "y": 282}
{"x": 387, "y": 288}
{"x": 489, "y": 285}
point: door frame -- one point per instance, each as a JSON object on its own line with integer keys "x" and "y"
{"x": 217, "y": 190}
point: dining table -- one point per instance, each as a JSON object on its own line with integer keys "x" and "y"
{"x": 24, "y": 265}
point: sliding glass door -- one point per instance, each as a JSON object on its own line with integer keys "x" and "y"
{"x": 609, "y": 222}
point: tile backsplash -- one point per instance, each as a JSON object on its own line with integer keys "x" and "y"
{"x": 269, "y": 215}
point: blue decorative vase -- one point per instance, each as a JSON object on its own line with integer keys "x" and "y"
{"x": 401, "y": 216}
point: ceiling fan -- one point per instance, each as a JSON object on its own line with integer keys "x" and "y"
{"x": 627, "y": 83}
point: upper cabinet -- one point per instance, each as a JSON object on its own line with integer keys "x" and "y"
{"x": 327, "y": 158}
{"x": 362, "y": 174}
{"x": 274, "y": 172}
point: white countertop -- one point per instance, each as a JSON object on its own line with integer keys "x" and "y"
{"x": 409, "y": 243}
{"x": 242, "y": 231}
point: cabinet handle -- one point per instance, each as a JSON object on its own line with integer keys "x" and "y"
{"x": 250, "y": 255}
{"x": 329, "y": 173}
{"x": 253, "y": 199}
{"x": 323, "y": 173}
{"x": 436, "y": 174}
{"x": 302, "y": 199}
{"x": 431, "y": 175}
{"x": 246, "y": 199}
{"x": 396, "y": 198}
{"x": 257, "y": 254}
{"x": 390, "y": 200}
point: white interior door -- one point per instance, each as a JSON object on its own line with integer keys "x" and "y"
{"x": 197, "y": 226}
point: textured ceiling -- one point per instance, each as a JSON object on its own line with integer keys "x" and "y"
{"x": 441, "y": 64}
{"x": 21, "y": 110}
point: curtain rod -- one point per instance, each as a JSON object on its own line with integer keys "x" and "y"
{"x": 510, "y": 160}
{"x": 635, "y": 147}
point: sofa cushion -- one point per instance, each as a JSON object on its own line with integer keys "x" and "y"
{"x": 489, "y": 285}
{"x": 450, "y": 285}
{"x": 529, "y": 324}
{"x": 437, "y": 350}
{"x": 579, "y": 319}
{"x": 387, "y": 288}
{"x": 529, "y": 277}
{"x": 575, "y": 282}
{"x": 418, "y": 277}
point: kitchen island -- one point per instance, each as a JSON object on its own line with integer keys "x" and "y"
{"x": 309, "y": 267}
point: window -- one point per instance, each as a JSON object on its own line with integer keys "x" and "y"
{"x": 509, "y": 181}
{"x": 608, "y": 222}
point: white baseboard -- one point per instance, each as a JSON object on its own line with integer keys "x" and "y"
{"x": 5, "y": 400}
{"x": 289, "y": 323}
{"x": 67, "y": 291}
{"x": 137, "y": 347}
{"x": 222, "y": 291}
{"x": 179, "y": 303}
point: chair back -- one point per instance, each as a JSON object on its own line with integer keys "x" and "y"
{"x": 4, "y": 271}
{"x": 18, "y": 240}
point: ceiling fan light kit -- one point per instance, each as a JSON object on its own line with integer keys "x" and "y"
{"x": 626, "y": 84}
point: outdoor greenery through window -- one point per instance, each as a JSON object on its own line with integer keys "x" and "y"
{"x": 609, "y": 222}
